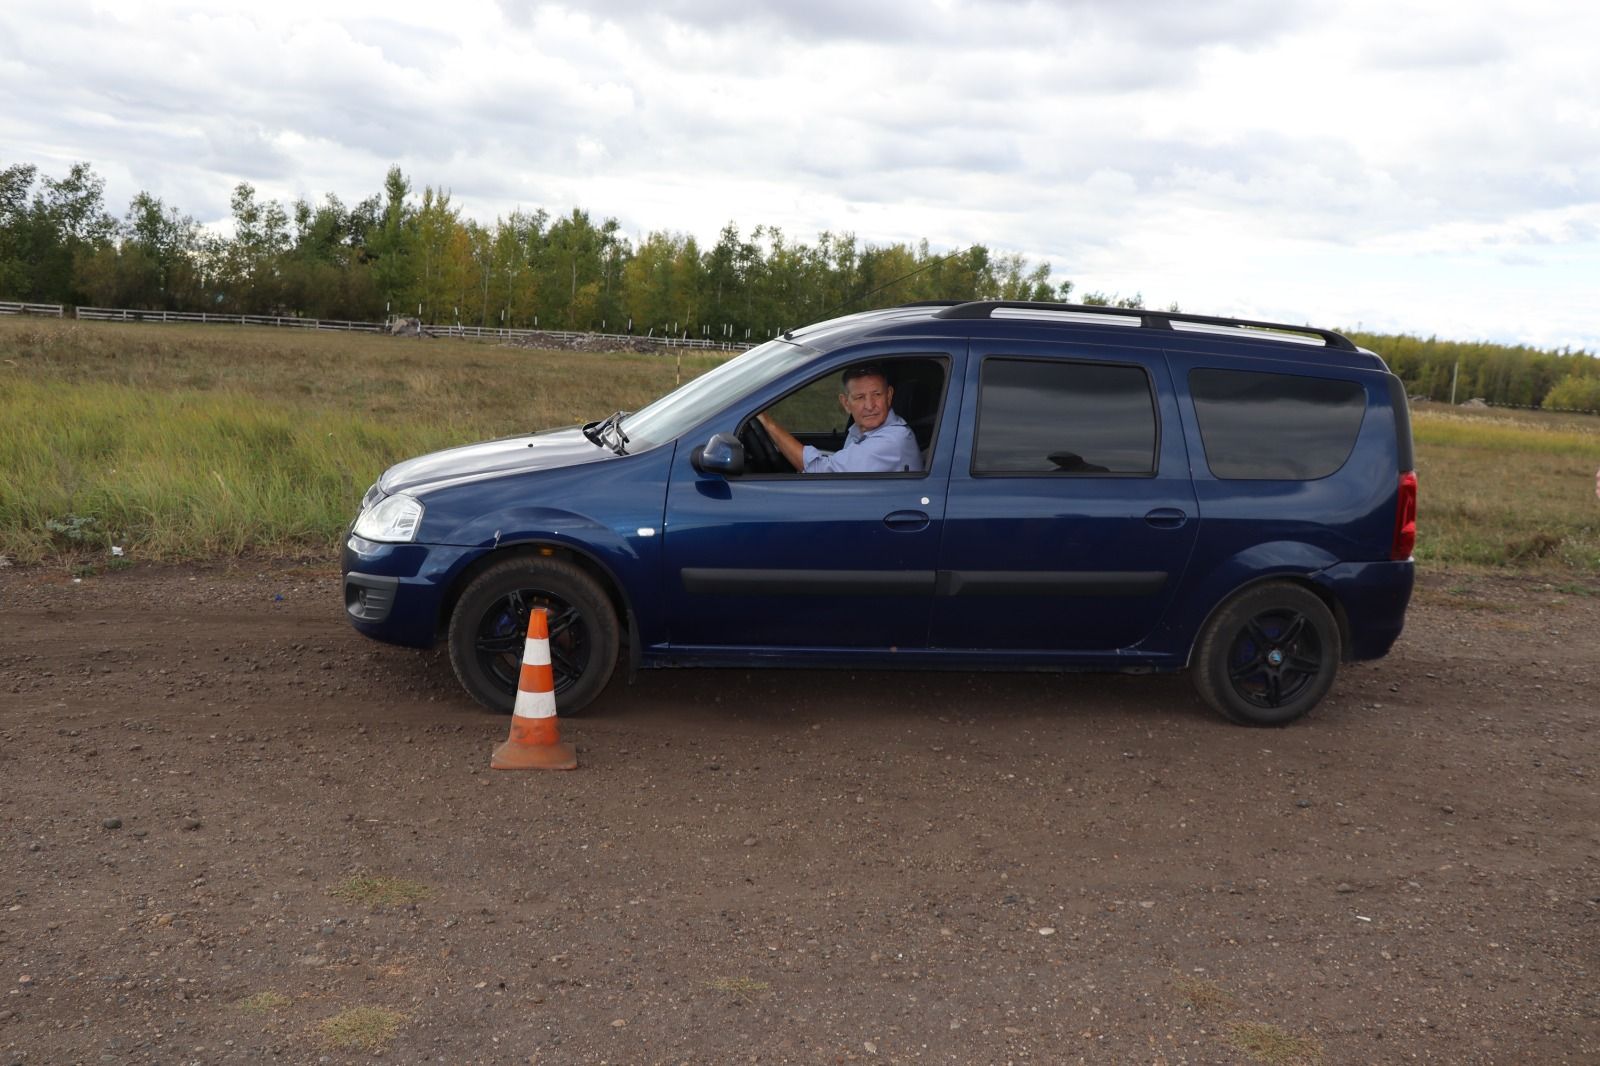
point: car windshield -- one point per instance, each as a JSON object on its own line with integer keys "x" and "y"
{"x": 681, "y": 409}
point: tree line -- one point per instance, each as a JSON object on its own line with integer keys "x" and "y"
{"x": 1518, "y": 375}
{"x": 401, "y": 253}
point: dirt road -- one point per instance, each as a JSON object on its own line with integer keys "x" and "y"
{"x": 230, "y": 823}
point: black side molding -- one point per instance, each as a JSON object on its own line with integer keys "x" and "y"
{"x": 718, "y": 581}
{"x": 1133, "y": 583}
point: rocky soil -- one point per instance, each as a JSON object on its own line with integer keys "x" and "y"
{"x": 232, "y": 830}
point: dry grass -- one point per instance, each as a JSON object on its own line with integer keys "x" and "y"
{"x": 1507, "y": 489}
{"x": 371, "y": 891}
{"x": 264, "y": 1002}
{"x": 1262, "y": 1041}
{"x": 1208, "y": 997}
{"x": 180, "y": 442}
{"x": 366, "y": 1028}
{"x": 463, "y": 387}
{"x": 1274, "y": 1046}
{"x": 738, "y": 985}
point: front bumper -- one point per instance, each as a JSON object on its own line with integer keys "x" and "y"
{"x": 396, "y": 592}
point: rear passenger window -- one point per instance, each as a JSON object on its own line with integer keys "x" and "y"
{"x": 1275, "y": 427}
{"x": 1039, "y": 417}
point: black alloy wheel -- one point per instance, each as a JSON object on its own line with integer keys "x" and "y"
{"x": 502, "y": 635}
{"x": 1273, "y": 658}
{"x": 489, "y": 629}
{"x": 1268, "y": 656}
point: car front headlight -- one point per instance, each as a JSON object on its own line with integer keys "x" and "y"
{"x": 393, "y": 521}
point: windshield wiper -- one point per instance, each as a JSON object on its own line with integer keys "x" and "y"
{"x": 596, "y": 432}
{"x": 616, "y": 426}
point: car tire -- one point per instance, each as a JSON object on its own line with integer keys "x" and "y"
{"x": 489, "y": 626}
{"x": 1268, "y": 655}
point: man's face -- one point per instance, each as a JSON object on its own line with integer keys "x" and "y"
{"x": 868, "y": 399}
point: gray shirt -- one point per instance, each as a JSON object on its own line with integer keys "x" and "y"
{"x": 892, "y": 447}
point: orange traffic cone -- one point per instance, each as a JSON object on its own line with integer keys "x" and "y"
{"x": 535, "y": 741}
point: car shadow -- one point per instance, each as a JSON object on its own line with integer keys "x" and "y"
{"x": 785, "y": 698}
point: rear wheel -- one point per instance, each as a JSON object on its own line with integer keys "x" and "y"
{"x": 489, "y": 628}
{"x": 1268, "y": 656}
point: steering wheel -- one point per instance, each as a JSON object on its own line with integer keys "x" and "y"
{"x": 759, "y": 445}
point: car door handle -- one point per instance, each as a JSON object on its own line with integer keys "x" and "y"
{"x": 906, "y": 521}
{"x": 1167, "y": 518}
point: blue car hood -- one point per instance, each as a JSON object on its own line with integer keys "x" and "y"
{"x": 509, "y": 455}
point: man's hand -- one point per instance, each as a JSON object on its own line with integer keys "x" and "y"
{"x": 792, "y": 449}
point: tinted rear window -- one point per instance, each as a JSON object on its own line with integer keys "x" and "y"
{"x": 1275, "y": 427}
{"x": 1037, "y": 417}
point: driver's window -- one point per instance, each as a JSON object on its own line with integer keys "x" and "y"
{"x": 813, "y": 409}
{"x": 813, "y": 416}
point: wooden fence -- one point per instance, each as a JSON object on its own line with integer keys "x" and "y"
{"x": 491, "y": 333}
{"x": 122, "y": 314}
{"x": 13, "y": 307}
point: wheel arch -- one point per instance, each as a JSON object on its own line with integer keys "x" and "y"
{"x": 1296, "y": 578}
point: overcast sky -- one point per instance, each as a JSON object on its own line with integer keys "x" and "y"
{"x": 1396, "y": 165}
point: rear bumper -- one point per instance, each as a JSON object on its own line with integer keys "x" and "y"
{"x": 395, "y": 592}
{"x": 1374, "y": 597}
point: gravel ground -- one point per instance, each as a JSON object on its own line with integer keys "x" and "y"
{"x": 232, "y": 830}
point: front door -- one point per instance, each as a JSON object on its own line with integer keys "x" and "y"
{"x": 820, "y": 561}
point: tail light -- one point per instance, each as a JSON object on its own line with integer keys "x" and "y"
{"x": 1405, "y": 518}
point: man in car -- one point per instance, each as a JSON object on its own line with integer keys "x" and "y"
{"x": 879, "y": 441}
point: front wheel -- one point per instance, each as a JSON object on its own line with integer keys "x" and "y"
{"x": 1268, "y": 656}
{"x": 489, "y": 628}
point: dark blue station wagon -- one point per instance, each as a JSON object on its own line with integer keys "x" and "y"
{"x": 1099, "y": 489}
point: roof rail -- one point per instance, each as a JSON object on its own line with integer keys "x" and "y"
{"x": 1147, "y": 318}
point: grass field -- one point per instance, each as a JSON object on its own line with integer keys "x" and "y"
{"x": 200, "y": 441}
{"x": 1507, "y": 488}
{"x": 182, "y": 442}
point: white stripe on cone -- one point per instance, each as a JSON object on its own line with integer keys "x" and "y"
{"x": 535, "y": 705}
{"x": 535, "y": 652}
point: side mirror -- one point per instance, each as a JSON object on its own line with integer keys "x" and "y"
{"x": 722, "y": 454}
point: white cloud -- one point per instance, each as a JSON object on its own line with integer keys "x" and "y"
{"x": 1408, "y": 165}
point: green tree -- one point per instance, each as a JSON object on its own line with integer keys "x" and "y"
{"x": 16, "y": 185}
{"x": 614, "y": 255}
{"x": 153, "y": 264}
{"x": 572, "y": 270}
{"x": 46, "y": 242}
{"x": 722, "y": 279}
{"x": 390, "y": 240}
{"x": 518, "y": 247}
{"x": 249, "y": 268}
{"x": 648, "y": 279}
{"x": 1576, "y": 392}
{"x": 326, "y": 272}
{"x": 439, "y": 279}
